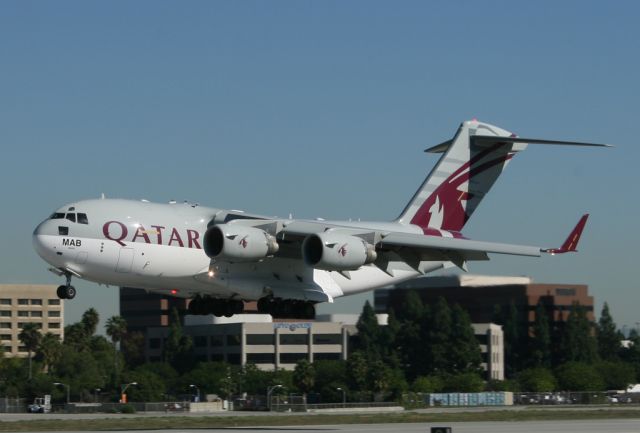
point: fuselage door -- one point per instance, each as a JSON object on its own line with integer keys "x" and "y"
{"x": 125, "y": 260}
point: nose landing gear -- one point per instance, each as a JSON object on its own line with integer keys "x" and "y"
{"x": 66, "y": 291}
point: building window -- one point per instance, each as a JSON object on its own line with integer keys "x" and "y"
{"x": 233, "y": 358}
{"x": 294, "y": 339}
{"x": 36, "y": 302}
{"x": 5, "y": 301}
{"x": 22, "y": 349}
{"x": 260, "y": 339}
{"x": 200, "y": 341}
{"x": 36, "y": 314}
{"x": 292, "y": 358}
{"x": 23, "y": 302}
{"x": 327, "y": 339}
{"x": 261, "y": 358}
{"x": 5, "y": 325}
{"x": 54, "y": 325}
{"x": 565, "y": 292}
{"x": 23, "y": 314}
{"x": 54, "y": 301}
{"x": 154, "y": 343}
{"x": 233, "y": 340}
{"x": 216, "y": 340}
{"x": 53, "y": 313}
{"x": 326, "y": 356}
{"x": 5, "y": 313}
{"x": 5, "y": 336}
{"x": 7, "y": 349}
{"x": 217, "y": 357}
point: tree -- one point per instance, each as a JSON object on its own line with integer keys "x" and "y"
{"x": 615, "y": 374}
{"x": 541, "y": 340}
{"x": 608, "y": 336}
{"x": 464, "y": 354}
{"x": 436, "y": 331}
{"x": 89, "y": 321}
{"x": 116, "y": 328}
{"x": 409, "y": 341}
{"x": 178, "y": 350}
{"x": 463, "y": 382}
{"x": 329, "y": 376}
{"x": 133, "y": 348}
{"x": 578, "y": 376}
{"x": 75, "y": 336}
{"x": 537, "y": 379}
{"x": 30, "y": 338}
{"x": 513, "y": 331}
{"x": 49, "y": 349}
{"x": 357, "y": 367}
{"x": 578, "y": 344}
{"x": 369, "y": 332}
{"x": 304, "y": 376}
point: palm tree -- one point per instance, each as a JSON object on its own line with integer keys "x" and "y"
{"x": 116, "y": 328}
{"x": 30, "y": 337}
{"x": 50, "y": 348}
{"x": 90, "y": 320}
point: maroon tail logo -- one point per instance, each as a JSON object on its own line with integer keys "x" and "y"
{"x": 343, "y": 250}
{"x": 445, "y": 208}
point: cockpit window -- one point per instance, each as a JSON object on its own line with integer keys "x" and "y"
{"x": 82, "y": 218}
{"x": 57, "y": 216}
{"x": 71, "y": 217}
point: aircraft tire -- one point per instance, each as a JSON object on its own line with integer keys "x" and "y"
{"x": 308, "y": 311}
{"x": 70, "y": 292}
{"x": 265, "y": 305}
{"x": 61, "y": 292}
{"x": 237, "y": 307}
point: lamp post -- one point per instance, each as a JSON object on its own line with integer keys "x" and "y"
{"x": 197, "y": 392}
{"x": 67, "y": 387}
{"x": 269, "y": 391}
{"x": 95, "y": 393}
{"x": 123, "y": 388}
{"x": 344, "y": 396}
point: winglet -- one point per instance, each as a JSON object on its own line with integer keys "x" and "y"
{"x": 571, "y": 242}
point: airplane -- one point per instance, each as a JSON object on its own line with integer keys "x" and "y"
{"x": 219, "y": 258}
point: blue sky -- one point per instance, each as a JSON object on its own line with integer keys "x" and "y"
{"x": 322, "y": 109}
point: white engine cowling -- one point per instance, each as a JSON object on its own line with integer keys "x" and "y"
{"x": 235, "y": 243}
{"x": 337, "y": 252}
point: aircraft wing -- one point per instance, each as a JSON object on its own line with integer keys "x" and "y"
{"x": 468, "y": 249}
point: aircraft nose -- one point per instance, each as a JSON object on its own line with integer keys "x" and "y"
{"x": 38, "y": 240}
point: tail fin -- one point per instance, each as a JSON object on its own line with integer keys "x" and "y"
{"x": 471, "y": 163}
{"x": 462, "y": 177}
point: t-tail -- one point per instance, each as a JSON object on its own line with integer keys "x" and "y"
{"x": 470, "y": 164}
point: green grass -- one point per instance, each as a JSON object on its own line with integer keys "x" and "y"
{"x": 173, "y": 422}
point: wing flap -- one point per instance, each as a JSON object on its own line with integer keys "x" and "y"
{"x": 470, "y": 250}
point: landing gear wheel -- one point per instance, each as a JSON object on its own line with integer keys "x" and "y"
{"x": 70, "y": 292}
{"x": 61, "y": 292}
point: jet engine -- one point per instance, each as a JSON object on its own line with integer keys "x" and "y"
{"x": 337, "y": 252}
{"x": 236, "y": 243}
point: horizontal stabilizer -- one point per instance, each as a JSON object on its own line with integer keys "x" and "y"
{"x": 488, "y": 140}
{"x": 492, "y": 139}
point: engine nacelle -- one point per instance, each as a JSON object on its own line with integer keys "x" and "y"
{"x": 236, "y": 243}
{"x": 337, "y": 252}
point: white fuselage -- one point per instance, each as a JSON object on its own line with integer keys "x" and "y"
{"x": 159, "y": 247}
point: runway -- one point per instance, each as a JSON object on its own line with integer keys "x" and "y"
{"x": 594, "y": 426}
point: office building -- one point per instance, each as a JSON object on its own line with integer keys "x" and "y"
{"x": 28, "y": 303}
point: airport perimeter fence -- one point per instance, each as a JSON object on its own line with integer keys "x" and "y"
{"x": 12, "y": 405}
{"x": 567, "y": 397}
